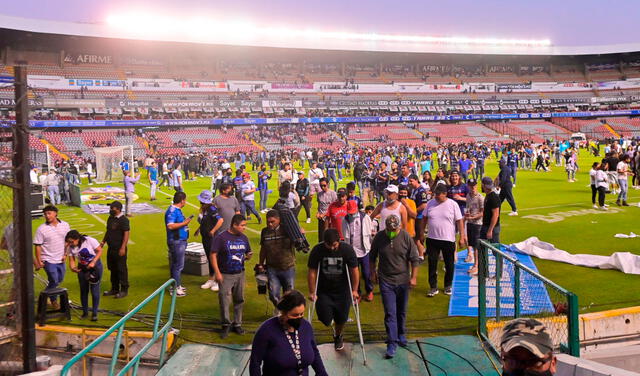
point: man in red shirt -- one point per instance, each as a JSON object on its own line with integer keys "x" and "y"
{"x": 336, "y": 212}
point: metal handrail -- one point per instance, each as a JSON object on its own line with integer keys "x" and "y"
{"x": 573, "y": 330}
{"x": 119, "y": 326}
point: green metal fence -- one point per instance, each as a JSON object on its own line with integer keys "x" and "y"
{"x": 158, "y": 333}
{"x": 507, "y": 290}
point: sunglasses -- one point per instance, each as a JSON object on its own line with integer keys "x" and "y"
{"x": 323, "y": 185}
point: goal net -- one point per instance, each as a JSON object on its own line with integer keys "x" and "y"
{"x": 108, "y": 162}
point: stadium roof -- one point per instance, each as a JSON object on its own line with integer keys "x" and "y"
{"x": 139, "y": 27}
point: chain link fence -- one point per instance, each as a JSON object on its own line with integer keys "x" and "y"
{"x": 508, "y": 289}
{"x": 7, "y": 273}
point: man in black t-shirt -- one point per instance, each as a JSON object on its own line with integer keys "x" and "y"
{"x": 329, "y": 262}
{"x": 116, "y": 237}
{"x": 490, "y": 229}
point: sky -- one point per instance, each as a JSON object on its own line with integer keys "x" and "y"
{"x": 564, "y": 22}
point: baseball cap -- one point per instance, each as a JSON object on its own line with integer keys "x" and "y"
{"x": 528, "y": 333}
{"x": 392, "y": 188}
{"x": 392, "y": 222}
{"x": 205, "y": 197}
{"x": 342, "y": 192}
{"x": 487, "y": 182}
{"x": 300, "y": 172}
{"x": 352, "y": 207}
{"x": 116, "y": 205}
{"x": 472, "y": 182}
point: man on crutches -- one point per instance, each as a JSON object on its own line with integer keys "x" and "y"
{"x": 397, "y": 272}
{"x": 332, "y": 266}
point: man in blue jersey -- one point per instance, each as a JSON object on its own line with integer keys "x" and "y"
{"x": 177, "y": 227}
{"x": 153, "y": 180}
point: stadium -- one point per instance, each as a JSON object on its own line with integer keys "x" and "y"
{"x": 164, "y": 113}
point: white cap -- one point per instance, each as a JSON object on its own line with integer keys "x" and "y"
{"x": 391, "y": 188}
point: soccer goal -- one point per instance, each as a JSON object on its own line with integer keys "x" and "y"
{"x": 108, "y": 162}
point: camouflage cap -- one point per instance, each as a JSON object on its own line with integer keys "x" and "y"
{"x": 392, "y": 222}
{"x": 528, "y": 333}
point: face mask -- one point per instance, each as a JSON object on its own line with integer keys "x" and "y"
{"x": 295, "y": 323}
{"x": 392, "y": 234}
{"x": 390, "y": 201}
{"x": 112, "y": 213}
{"x": 525, "y": 372}
{"x": 402, "y": 196}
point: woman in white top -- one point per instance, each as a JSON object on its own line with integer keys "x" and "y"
{"x": 85, "y": 253}
{"x": 602, "y": 183}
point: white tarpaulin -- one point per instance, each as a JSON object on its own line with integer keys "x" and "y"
{"x": 626, "y": 262}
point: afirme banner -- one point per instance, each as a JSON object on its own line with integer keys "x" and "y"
{"x": 79, "y": 58}
{"x": 314, "y": 120}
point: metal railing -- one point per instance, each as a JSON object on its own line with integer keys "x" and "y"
{"x": 507, "y": 289}
{"x": 158, "y": 332}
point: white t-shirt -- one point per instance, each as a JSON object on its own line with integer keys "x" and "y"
{"x": 624, "y": 167}
{"x": 314, "y": 175}
{"x": 177, "y": 178}
{"x": 51, "y": 239}
{"x": 85, "y": 252}
{"x": 247, "y": 187}
{"x": 602, "y": 179}
{"x": 592, "y": 176}
{"x": 441, "y": 219}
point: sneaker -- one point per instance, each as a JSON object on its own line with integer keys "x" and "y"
{"x": 624, "y": 203}
{"x": 605, "y": 208}
{"x": 432, "y": 293}
{"x": 368, "y": 297}
{"x": 208, "y": 284}
{"x": 514, "y": 186}
{"x": 308, "y": 220}
{"x": 225, "y": 331}
{"x": 338, "y": 342}
{"x": 121, "y": 294}
{"x": 94, "y": 317}
{"x": 181, "y": 291}
{"x": 215, "y": 286}
{"x": 448, "y": 291}
{"x": 402, "y": 341}
{"x": 110, "y": 293}
{"x": 595, "y": 206}
{"x": 513, "y": 213}
{"x": 391, "y": 351}
{"x": 84, "y": 315}
{"x": 237, "y": 329}
{"x": 618, "y": 202}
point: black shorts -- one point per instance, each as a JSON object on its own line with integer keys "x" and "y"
{"x": 333, "y": 307}
{"x": 473, "y": 234}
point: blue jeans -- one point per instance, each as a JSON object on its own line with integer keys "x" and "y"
{"x": 331, "y": 175}
{"x": 54, "y": 194}
{"x": 55, "y": 275}
{"x": 513, "y": 169}
{"x": 176, "y": 258}
{"x": 280, "y": 280}
{"x": 264, "y": 196}
{"x": 85, "y": 287}
{"x": 249, "y": 207}
{"x": 364, "y": 270}
{"x": 394, "y": 301}
{"x": 624, "y": 188}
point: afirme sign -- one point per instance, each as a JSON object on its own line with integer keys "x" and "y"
{"x": 88, "y": 59}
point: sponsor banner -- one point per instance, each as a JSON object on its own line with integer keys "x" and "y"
{"x": 86, "y": 82}
{"x": 291, "y": 86}
{"x": 131, "y": 60}
{"x": 76, "y": 58}
{"x": 522, "y": 86}
{"x": 315, "y": 120}
{"x": 131, "y": 103}
{"x": 11, "y": 102}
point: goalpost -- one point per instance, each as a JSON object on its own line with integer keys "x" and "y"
{"x": 108, "y": 162}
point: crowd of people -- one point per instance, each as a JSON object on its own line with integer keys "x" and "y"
{"x": 380, "y": 214}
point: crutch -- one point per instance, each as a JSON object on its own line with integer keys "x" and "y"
{"x": 356, "y": 309}
{"x": 312, "y": 306}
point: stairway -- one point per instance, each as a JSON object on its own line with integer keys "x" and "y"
{"x": 611, "y": 130}
{"x": 54, "y": 149}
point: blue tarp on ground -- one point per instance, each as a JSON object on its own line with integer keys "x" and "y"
{"x": 464, "y": 301}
